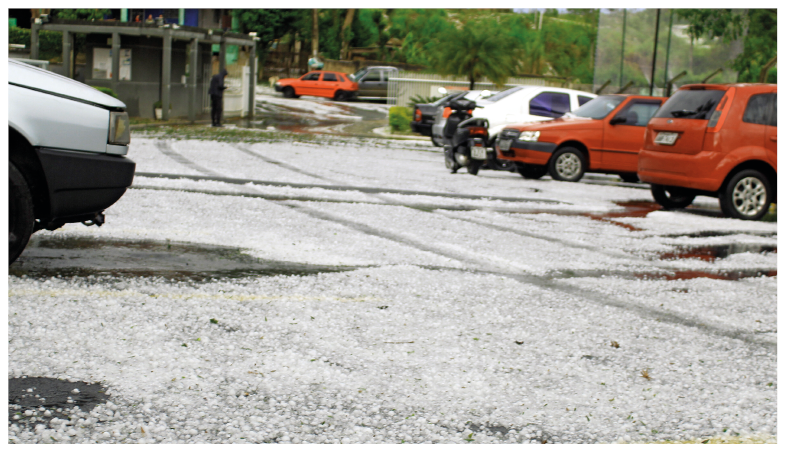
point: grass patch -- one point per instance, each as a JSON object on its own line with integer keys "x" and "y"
{"x": 771, "y": 216}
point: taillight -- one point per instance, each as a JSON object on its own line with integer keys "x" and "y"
{"x": 478, "y": 131}
{"x": 447, "y": 112}
{"x": 417, "y": 115}
{"x": 469, "y": 112}
{"x": 717, "y": 118}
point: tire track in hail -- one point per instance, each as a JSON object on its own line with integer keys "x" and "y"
{"x": 488, "y": 267}
{"x": 166, "y": 149}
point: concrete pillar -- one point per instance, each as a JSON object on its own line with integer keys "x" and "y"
{"x": 68, "y": 44}
{"x": 166, "y": 74}
{"x": 123, "y": 15}
{"x": 181, "y": 16}
{"x": 193, "y": 70}
{"x": 252, "y": 82}
{"x": 115, "y": 61}
{"x": 34, "y": 27}
{"x": 222, "y": 55}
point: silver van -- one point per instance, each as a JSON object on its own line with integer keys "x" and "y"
{"x": 373, "y": 81}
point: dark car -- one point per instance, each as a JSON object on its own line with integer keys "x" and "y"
{"x": 373, "y": 81}
{"x": 425, "y": 114}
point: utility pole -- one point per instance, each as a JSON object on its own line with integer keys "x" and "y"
{"x": 654, "y": 57}
{"x": 315, "y": 37}
{"x": 623, "y": 36}
{"x": 668, "y": 49}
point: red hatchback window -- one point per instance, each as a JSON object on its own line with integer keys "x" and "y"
{"x": 329, "y": 77}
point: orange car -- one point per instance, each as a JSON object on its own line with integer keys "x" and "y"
{"x": 714, "y": 140}
{"x": 603, "y": 135}
{"x": 335, "y": 85}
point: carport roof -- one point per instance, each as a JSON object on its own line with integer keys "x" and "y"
{"x": 144, "y": 29}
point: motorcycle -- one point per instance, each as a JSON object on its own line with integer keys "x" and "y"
{"x": 469, "y": 147}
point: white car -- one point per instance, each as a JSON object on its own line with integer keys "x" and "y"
{"x": 523, "y": 104}
{"x": 67, "y": 144}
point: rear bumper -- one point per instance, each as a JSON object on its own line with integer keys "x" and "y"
{"x": 421, "y": 128}
{"x": 82, "y": 184}
{"x": 679, "y": 170}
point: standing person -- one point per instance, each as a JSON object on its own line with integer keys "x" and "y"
{"x": 216, "y": 93}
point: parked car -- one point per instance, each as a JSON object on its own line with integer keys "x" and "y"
{"x": 425, "y": 115}
{"x": 604, "y": 135}
{"x": 527, "y": 104}
{"x": 714, "y": 140}
{"x": 66, "y": 153}
{"x": 480, "y": 97}
{"x": 333, "y": 85}
{"x": 373, "y": 82}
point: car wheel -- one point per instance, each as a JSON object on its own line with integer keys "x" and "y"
{"x": 288, "y": 92}
{"x": 339, "y": 96}
{"x": 629, "y": 177}
{"x": 746, "y": 196}
{"x": 473, "y": 167}
{"x": 567, "y": 164}
{"x": 20, "y": 213}
{"x": 531, "y": 171}
{"x": 671, "y": 197}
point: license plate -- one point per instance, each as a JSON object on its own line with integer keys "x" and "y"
{"x": 504, "y": 144}
{"x": 666, "y": 138}
{"x": 479, "y": 153}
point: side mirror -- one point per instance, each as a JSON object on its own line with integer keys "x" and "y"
{"x": 618, "y": 120}
{"x": 441, "y": 90}
{"x": 485, "y": 93}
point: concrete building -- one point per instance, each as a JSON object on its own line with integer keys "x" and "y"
{"x": 145, "y": 63}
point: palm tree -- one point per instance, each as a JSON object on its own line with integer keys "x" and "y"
{"x": 478, "y": 49}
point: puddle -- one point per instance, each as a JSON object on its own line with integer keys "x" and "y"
{"x": 47, "y": 256}
{"x": 733, "y": 275}
{"x": 726, "y": 275}
{"x": 50, "y": 394}
{"x": 635, "y": 209}
{"x": 711, "y": 253}
{"x": 709, "y": 234}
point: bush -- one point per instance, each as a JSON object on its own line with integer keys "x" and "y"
{"x": 106, "y": 91}
{"x": 50, "y": 43}
{"x": 400, "y": 117}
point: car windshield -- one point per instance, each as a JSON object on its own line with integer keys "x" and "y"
{"x": 691, "y": 104}
{"x": 356, "y": 76}
{"x": 599, "y": 107}
{"x": 499, "y": 96}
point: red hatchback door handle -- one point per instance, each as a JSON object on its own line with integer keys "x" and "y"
{"x": 774, "y": 138}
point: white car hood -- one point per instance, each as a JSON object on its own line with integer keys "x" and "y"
{"x": 22, "y": 74}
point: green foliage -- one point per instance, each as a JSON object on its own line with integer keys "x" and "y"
{"x": 109, "y": 91}
{"x": 478, "y": 49}
{"x": 760, "y": 42}
{"x": 400, "y": 117}
{"x": 271, "y": 24}
{"x": 50, "y": 43}
{"x": 81, "y": 14}
{"x": 727, "y": 24}
{"x": 418, "y": 99}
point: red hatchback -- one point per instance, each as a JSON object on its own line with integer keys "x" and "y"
{"x": 335, "y": 85}
{"x": 604, "y": 135}
{"x": 714, "y": 140}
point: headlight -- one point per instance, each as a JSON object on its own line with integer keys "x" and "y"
{"x": 119, "y": 130}
{"x": 528, "y": 136}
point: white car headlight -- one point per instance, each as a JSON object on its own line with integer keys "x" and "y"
{"x": 528, "y": 136}
{"x": 119, "y": 128}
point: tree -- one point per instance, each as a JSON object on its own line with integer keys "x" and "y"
{"x": 478, "y": 49}
{"x": 81, "y": 14}
{"x": 760, "y": 39}
{"x": 346, "y": 32}
{"x": 269, "y": 25}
